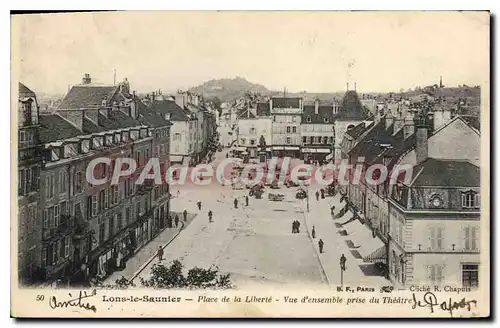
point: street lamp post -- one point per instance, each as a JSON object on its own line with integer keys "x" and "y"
{"x": 307, "y": 194}
{"x": 342, "y": 269}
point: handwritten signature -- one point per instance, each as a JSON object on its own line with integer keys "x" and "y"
{"x": 74, "y": 302}
{"x": 430, "y": 300}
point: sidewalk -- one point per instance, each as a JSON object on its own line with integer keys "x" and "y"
{"x": 139, "y": 259}
{"x": 334, "y": 246}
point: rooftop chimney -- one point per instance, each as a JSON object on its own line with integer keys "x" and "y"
{"x": 389, "y": 119}
{"x": 421, "y": 150}
{"x": 316, "y": 106}
{"x": 86, "y": 79}
{"x": 442, "y": 115}
{"x": 179, "y": 99}
{"x": 409, "y": 125}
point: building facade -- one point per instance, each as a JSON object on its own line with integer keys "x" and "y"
{"x": 87, "y": 228}
{"x": 29, "y": 168}
{"x": 286, "y": 114}
{"x": 317, "y": 130}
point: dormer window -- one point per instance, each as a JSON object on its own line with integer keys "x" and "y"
{"x": 134, "y": 135}
{"x": 150, "y": 132}
{"x": 470, "y": 199}
{"x": 436, "y": 201}
{"x": 326, "y": 119}
{"x": 69, "y": 150}
{"x": 97, "y": 142}
{"x": 109, "y": 140}
{"x": 309, "y": 119}
{"x": 55, "y": 154}
{"x": 125, "y": 136}
{"x": 167, "y": 116}
{"x": 85, "y": 146}
{"x": 118, "y": 138}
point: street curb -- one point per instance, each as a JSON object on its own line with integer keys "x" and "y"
{"x": 315, "y": 249}
{"x": 138, "y": 272}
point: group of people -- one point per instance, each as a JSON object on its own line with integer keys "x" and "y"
{"x": 296, "y": 226}
{"x": 322, "y": 192}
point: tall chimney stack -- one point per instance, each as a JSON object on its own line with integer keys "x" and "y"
{"x": 422, "y": 147}
{"x": 316, "y": 106}
{"x": 86, "y": 79}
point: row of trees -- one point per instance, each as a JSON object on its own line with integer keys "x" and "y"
{"x": 172, "y": 276}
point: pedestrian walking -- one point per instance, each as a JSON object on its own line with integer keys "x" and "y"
{"x": 199, "y": 205}
{"x": 313, "y": 232}
{"x": 298, "y": 227}
{"x": 342, "y": 262}
{"x": 176, "y": 220}
{"x": 294, "y": 226}
{"x": 210, "y": 214}
{"x": 246, "y": 200}
{"x": 332, "y": 209}
{"x": 320, "y": 245}
{"x": 317, "y": 195}
{"x": 178, "y": 194}
{"x": 160, "y": 253}
{"x": 185, "y": 214}
{"x": 236, "y": 203}
{"x": 322, "y": 193}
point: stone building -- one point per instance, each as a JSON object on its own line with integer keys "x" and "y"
{"x": 317, "y": 130}
{"x": 29, "y": 166}
{"x": 286, "y": 116}
{"x": 89, "y": 229}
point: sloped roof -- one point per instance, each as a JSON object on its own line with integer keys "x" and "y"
{"x": 323, "y": 112}
{"x": 351, "y": 107}
{"x": 358, "y": 130}
{"x": 87, "y": 96}
{"x": 446, "y": 173}
{"x": 152, "y": 119}
{"x": 168, "y": 106}
{"x": 53, "y": 127}
{"x": 90, "y": 127}
{"x": 279, "y": 102}
{"x": 245, "y": 113}
{"x": 473, "y": 121}
{"x": 24, "y": 90}
{"x": 117, "y": 120}
{"x": 263, "y": 109}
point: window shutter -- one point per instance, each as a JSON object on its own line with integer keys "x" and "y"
{"x": 477, "y": 201}
{"x": 440, "y": 238}
{"x": 464, "y": 198}
{"x": 467, "y": 238}
{"x": 473, "y": 238}
{"x": 432, "y": 237}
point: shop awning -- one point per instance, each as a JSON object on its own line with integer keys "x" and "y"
{"x": 364, "y": 240}
{"x": 329, "y": 157}
{"x": 379, "y": 255}
{"x": 240, "y": 149}
{"x": 278, "y": 148}
{"x": 323, "y": 150}
{"x": 292, "y": 148}
{"x": 176, "y": 158}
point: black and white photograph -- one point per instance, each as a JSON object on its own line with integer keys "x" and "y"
{"x": 251, "y": 164}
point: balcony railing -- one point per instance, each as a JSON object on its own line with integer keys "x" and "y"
{"x": 65, "y": 227}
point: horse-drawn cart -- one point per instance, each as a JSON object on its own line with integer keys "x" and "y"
{"x": 276, "y": 197}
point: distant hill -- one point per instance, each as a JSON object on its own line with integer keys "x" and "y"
{"x": 228, "y": 89}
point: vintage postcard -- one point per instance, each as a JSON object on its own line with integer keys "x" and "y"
{"x": 250, "y": 164}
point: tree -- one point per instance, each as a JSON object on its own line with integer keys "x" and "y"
{"x": 216, "y": 102}
{"x": 173, "y": 277}
{"x": 262, "y": 143}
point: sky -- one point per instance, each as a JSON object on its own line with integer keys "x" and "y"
{"x": 302, "y": 51}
